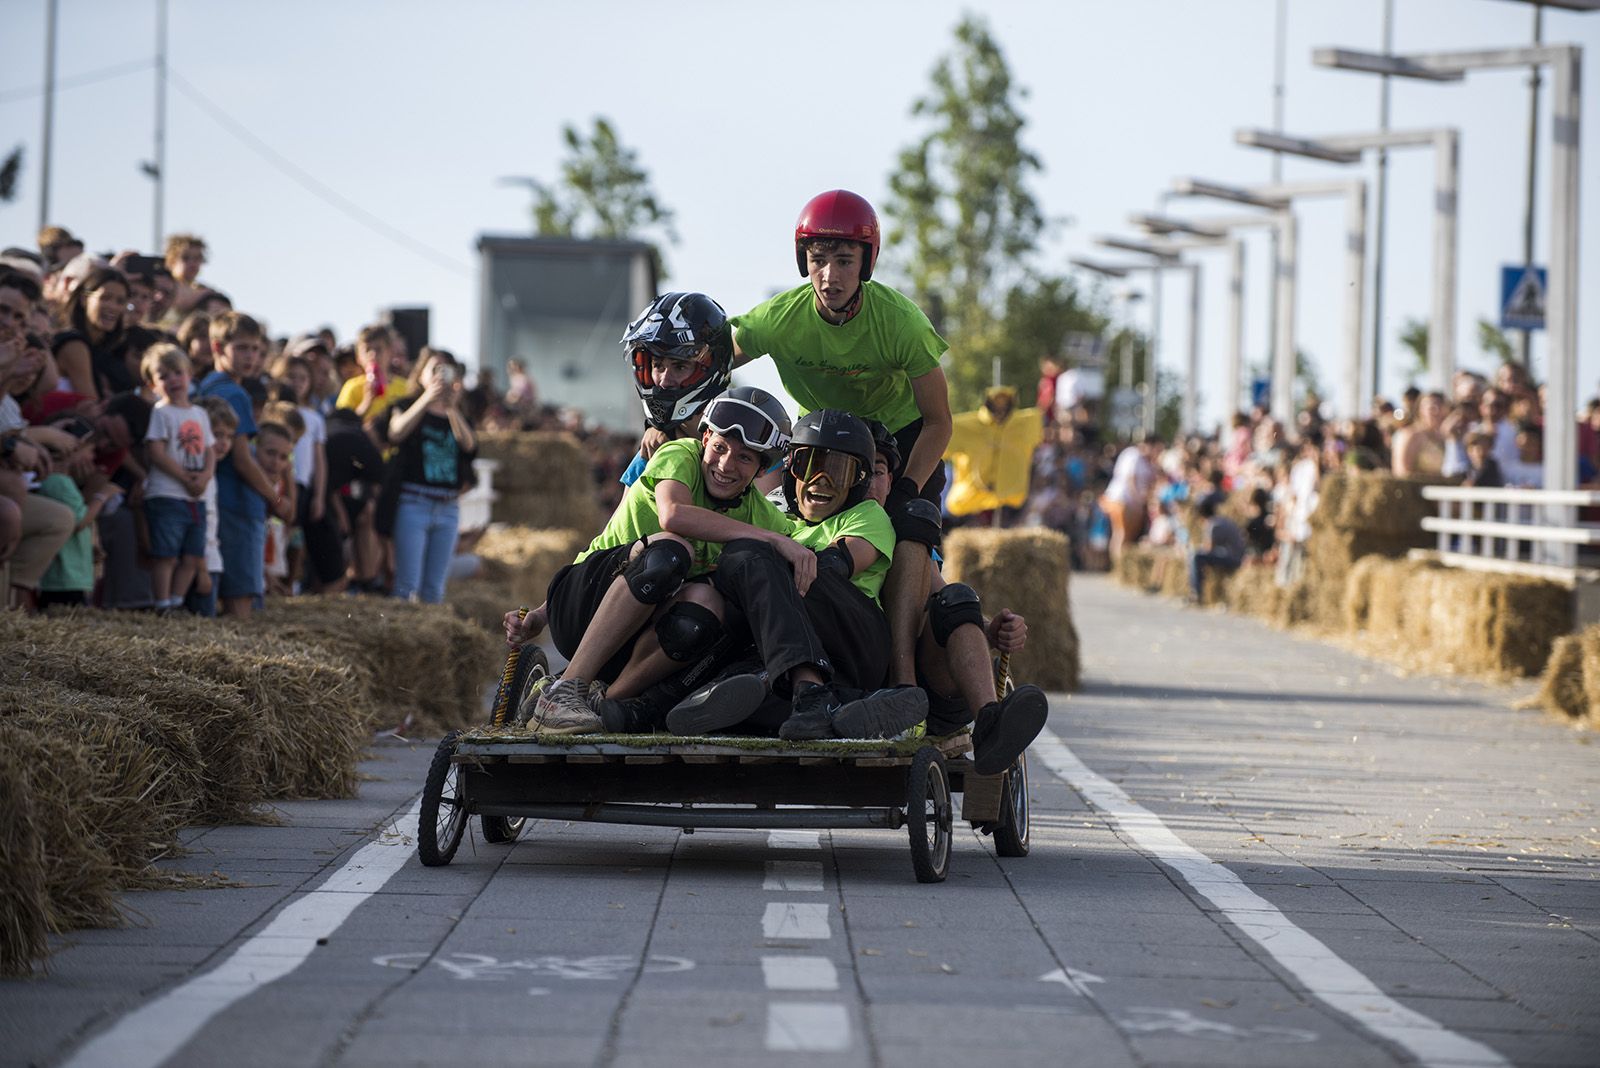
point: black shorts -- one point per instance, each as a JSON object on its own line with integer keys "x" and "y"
{"x": 853, "y": 630}
{"x": 573, "y": 598}
{"x": 905, "y": 438}
{"x": 324, "y": 547}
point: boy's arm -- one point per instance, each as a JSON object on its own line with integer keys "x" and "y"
{"x": 244, "y": 462}
{"x": 933, "y": 401}
{"x": 161, "y": 460}
{"x": 319, "y": 481}
{"x": 679, "y": 515}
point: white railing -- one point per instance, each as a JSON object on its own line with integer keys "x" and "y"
{"x": 477, "y": 502}
{"x": 1516, "y": 531}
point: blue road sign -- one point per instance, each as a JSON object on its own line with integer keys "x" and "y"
{"x": 1522, "y": 298}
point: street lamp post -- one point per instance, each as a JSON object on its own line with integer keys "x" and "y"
{"x": 1561, "y": 317}
{"x": 1119, "y": 270}
{"x": 1445, "y": 142}
{"x": 1164, "y": 259}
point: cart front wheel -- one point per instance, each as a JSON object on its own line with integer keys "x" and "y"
{"x": 444, "y": 813}
{"x": 928, "y": 815}
{"x": 502, "y": 830}
{"x": 1011, "y": 833}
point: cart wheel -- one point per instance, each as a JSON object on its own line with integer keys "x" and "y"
{"x": 1011, "y": 833}
{"x": 532, "y": 668}
{"x": 443, "y": 817}
{"x": 928, "y": 812}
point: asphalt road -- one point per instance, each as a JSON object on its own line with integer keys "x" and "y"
{"x": 1248, "y": 849}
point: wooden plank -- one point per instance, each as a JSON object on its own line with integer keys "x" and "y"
{"x": 647, "y": 758}
{"x": 881, "y": 762}
{"x": 705, "y": 758}
{"x": 750, "y": 758}
{"x": 811, "y": 762}
{"x": 588, "y": 758}
{"x": 532, "y": 758}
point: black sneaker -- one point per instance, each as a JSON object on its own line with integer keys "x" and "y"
{"x": 718, "y": 705}
{"x": 881, "y": 713}
{"x": 811, "y": 714}
{"x": 1005, "y": 728}
{"x": 635, "y": 715}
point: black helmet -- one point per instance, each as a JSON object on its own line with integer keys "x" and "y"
{"x": 755, "y": 416}
{"x": 887, "y": 445}
{"x": 691, "y": 328}
{"x": 832, "y": 431}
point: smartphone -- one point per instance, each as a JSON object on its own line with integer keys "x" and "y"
{"x": 447, "y": 373}
{"x": 78, "y": 427}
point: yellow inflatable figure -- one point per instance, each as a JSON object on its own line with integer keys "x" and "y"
{"x": 991, "y": 451}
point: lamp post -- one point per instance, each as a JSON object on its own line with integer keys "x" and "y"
{"x": 1118, "y": 270}
{"x": 1446, "y": 145}
{"x": 1164, "y": 258}
{"x": 1561, "y": 316}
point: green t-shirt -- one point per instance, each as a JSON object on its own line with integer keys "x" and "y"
{"x": 866, "y": 520}
{"x": 679, "y": 461}
{"x": 72, "y": 570}
{"x": 864, "y": 366}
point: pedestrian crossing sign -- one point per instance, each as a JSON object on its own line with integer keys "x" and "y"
{"x": 1522, "y": 298}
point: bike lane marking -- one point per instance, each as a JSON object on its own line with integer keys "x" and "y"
{"x": 799, "y": 973}
{"x": 812, "y": 1026}
{"x": 152, "y": 1033}
{"x": 794, "y": 876}
{"x": 790, "y": 919}
{"x": 1324, "y": 974}
{"x": 794, "y": 839}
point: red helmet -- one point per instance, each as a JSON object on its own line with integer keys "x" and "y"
{"x": 838, "y": 213}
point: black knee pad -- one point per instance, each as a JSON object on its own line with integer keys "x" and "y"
{"x": 955, "y": 605}
{"x": 687, "y": 631}
{"x": 657, "y": 573}
{"x": 919, "y": 521}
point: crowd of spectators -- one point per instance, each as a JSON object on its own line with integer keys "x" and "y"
{"x": 1105, "y": 495}
{"x": 160, "y": 449}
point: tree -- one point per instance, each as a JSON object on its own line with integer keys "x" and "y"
{"x": 960, "y": 200}
{"x": 1415, "y": 338}
{"x": 1493, "y": 342}
{"x": 1034, "y": 321}
{"x": 10, "y": 171}
{"x": 603, "y": 192}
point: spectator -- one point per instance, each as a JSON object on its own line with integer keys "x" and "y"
{"x": 1220, "y": 547}
{"x": 1482, "y": 468}
{"x": 201, "y": 597}
{"x": 1300, "y": 500}
{"x": 92, "y": 353}
{"x": 522, "y": 395}
{"x": 377, "y": 386}
{"x": 185, "y": 254}
{"x": 244, "y": 492}
{"x": 1260, "y": 539}
{"x": 194, "y": 336}
{"x": 1419, "y": 447}
{"x": 1127, "y": 499}
{"x": 434, "y": 449}
{"x": 180, "y": 449}
{"x": 311, "y": 475}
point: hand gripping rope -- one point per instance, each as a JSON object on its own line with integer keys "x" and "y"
{"x": 502, "y": 699}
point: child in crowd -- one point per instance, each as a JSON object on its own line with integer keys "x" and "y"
{"x": 244, "y": 491}
{"x": 179, "y": 447}
{"x": 201, "y": 598}
{"x": 282, "y": 534}
{"x": 310, "y": 473}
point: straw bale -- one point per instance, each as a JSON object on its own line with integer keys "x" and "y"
{"x": 1253, "y": 590}
{"x": 1515, "y": 620}
{"x": 479, "y": 600}
{"x": 232, "y": 751}
{"x": 1392, "y": 611}
{"x": 1376, "y": 504}
{"x": 428, "y": 667}
{"x": 1026, "y": 571}
{"x": 1589, "y": 646}
{"x": 522, "y": 561}
{"x": 24, "y": 900}
{"x": 1561, "y": 687}
{"x": 1358, "y": 591}
{"x": 1135, "y": 566}
{"x": 545, "y": 479}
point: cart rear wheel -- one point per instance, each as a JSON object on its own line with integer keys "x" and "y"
{"x": 1011, "y": 832}
{"x": 928, "y": 815}
{"x": 444, "y": 813}
{"x": 532, "y": 667}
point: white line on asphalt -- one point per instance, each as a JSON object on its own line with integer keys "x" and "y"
{"x": 794, "y": 839}
{"x": 807, "y": 1025}
{"x": 788, "y": 919}
{"x": 793, "y": 875}
{"x": 1323, "y": 973}
{"x": 150, "y": 1034}
{"x": 799, "y": 973}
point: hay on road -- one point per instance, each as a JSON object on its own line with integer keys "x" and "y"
{"x": 1027, "y": 571}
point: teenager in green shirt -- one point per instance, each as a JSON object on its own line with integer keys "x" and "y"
{"x": 625, "y": 611}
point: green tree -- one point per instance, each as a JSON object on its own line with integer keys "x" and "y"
{"x": 1035, "y": 318}
{"x": 1415, "y": 339}
{"x": 1493, "y": 342}
{"x": 603, "y": 192}
{"x": 960, "y": 203}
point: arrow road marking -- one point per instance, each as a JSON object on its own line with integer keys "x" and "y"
{"x": 1071, "y": 978}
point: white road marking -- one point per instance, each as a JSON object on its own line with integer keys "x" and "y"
{"x": 1071, "y": 978}
{"x": 809, "y": 1026}
{"x": 794, "y": 839}
{"x": 788, "y": 919}
{"x": 798, "y": 876}
{"x": 799, "y": 973}
{"x": 1324, "y": 974}
{"x": 155, "y": 1031}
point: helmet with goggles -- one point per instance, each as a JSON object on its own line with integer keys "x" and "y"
{"x": 752, "y": 415}
{"x": 833, "y": 445}
{"x": 690, "y": 332}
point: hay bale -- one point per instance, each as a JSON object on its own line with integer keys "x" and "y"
{"x": 1358, "y": 591}
{"x": 24, "y": 900}
{"x": 1561, "y": 686}
{"x": 428, "y": 666}
{"x": 523, "y": 561}
{"x": 1392, "y": 611}
{"x": 1375, "y": 504}
{"x": 545, "y": 480}
{"x": 1026, "y": 571}
{"x": 1589, "y": 648}
{"x": 1517, "y": 622}
{"x": 1254, "y": 591}
{"x": 1136, "y": 566}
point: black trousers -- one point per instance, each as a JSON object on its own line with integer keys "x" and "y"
{"x": 835, "y": 627}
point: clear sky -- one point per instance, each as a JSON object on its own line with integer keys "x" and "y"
{"x": 406, "y": 113}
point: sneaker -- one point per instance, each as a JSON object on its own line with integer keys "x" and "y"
{"x": 563, "y": 708}
{"x": 811, "y": 714}
{"x": 719, "y": 705}
{"x": 881, "y": 713}
{"x": 528, "y": 706}
{"x": 634, "y": 715}
{"x": 1005, "y": 728}
{"x": 597, "y": 693}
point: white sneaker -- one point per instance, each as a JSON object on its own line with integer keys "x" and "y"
{"x": 563, "y": 708}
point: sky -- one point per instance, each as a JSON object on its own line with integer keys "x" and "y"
{"x": 343, "y": 158}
